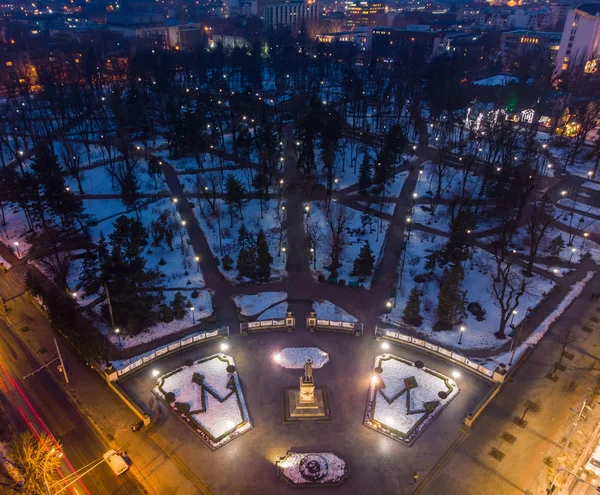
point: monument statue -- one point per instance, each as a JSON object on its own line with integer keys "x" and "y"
{"x": 308, "y": 372}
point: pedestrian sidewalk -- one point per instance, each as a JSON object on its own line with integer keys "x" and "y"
{"x": 156, "y": 467}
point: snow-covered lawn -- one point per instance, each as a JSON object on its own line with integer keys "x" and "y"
{"x": 250, "y": 305}
{"x": 294, "y": 358}
{"x": 15, "y": 233}
{"x": 178, "y": 265}
{"x": 326, "y": 310}
{"x": 99, "y": 181}
{"x": 588, "y": 184}
{"x": 576, "y": 205}
{"x": 453, "y": 181}
{"x": 277, "y": 312}
{"x": 477, "y": 284}
{"x": 202, "y": 309}
{"x": 209, "y": 397}
{"x": 228, "y": 235}
{"x": 441, "y": 220}
{"x": 540, "y": 331}
{"x": 319, "y": 468}
{"x": 403, "y": 399}
{"x": 355, "y": 238}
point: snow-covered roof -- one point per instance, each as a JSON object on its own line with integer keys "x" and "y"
{"x": 500, "y": 80}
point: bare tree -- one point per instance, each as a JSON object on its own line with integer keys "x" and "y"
{"x": 37, "y": 460}
{"x": 337, "y": 218}
{"x": 542, "y": 216}
{"x": 508, "y": 286}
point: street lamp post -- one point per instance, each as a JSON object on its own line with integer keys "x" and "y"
{"x": 585, "y": 236}
{"x": 283, "y": 250}
{"x": 550, "y": 489}
{"x": 554, "y": 272}
{"x": 17, "y": 246}
{"x": 513, "y": 316}
{"x": 314, "y": 257}
{"x": 193, "y": 314}
{"x": 572, "y": 253}
{"x": 118, "y": 332}
{"x": 197, "y": 258}
{"x": 462, "y": 330}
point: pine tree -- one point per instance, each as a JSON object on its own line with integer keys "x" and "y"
{"x": 263, "y": 257}
{"x": 556, "y": 245}
{"x": 456, "y": 249}
{"x": 154, "y": 169}
{"x": 451, "y": 299}
{"x": 364, "y": 175}
{"x": 234, "y": 196}
{"x": 246, "y": 261}
{"x": 90, "y": 274}
{"x": 178, "y": 305}
{"x": 365, "y": 262}
{"x": 411, "y": 314}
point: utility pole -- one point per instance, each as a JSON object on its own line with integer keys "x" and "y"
{"x": 62, "y": 364}
{"x": 110, "y": 310}
{"x": 579, "y": 416}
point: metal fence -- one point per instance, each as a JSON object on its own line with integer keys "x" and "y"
{"x": 288, "y": 323}
{"x": 435, "y": 349}
{"x": 171, "y": 348}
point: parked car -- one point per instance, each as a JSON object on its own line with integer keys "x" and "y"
{"x": 116, "y": 462}
{"x": 593, "y": 465}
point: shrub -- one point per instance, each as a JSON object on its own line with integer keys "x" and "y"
{"x": 378, "y": 370}
{"x": 419, "y": 364}
{"x": 442, "y": 325}
{"x": 189, "y": 282}
{"x": 227, "y": 262}
{"x": 476, "y": 310}
{"x": 321, "y": 278}
{"x": 182, "y": 407}
{"x": 410, "y": 382}
{"x": 420, "y": 278}
{"x": 189, "y": 362}
{"x": 230, "y": 369}
{"x": 443, "y": 395}
{"x": 165, "y": 314}
{"x": 162, "y": 262}
{"x": 341, "y": 282}
{"x": 194, "y": 294}
{"x": 169, "y": 397}
{"x": 186, "y": 273}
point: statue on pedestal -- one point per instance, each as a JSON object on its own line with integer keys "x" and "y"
{"x": 308, "y": 372}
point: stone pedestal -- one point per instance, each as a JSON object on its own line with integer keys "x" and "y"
{"x": 306, "y": 402}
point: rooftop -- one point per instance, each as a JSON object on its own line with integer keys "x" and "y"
{"x": 590, "y": 8}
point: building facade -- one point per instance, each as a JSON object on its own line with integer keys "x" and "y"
{"x": 290, "y": 14}
{"x": 580, "y": 41}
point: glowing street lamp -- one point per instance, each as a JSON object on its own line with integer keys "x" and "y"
{"x": 513, "y": 316}
{"x": 16, "y": 243}
{"x": 197, "y": 258}
{"x": 585, "y": 236}
{"x": 118, "y": 332}
{"x": 193, "y": 315}
{"x": 563, "y": 193}
{"x": 284, "y": 250}
{"x": 175, "y": 200}
{"x": 554, "y": 272}
{"x": 572, "y": 253}
{"x": 462, "y": 330}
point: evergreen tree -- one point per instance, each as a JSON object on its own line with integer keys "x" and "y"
{"x": 246, "y": 261}
{"x": 263, "y": 257}
{"x": 411, "y": 314}
{"x": 451, "y": 299}
{"x": 234, "y": 196}
{"x": 556, "y": 245}
{"x": 90, "y": 275}
{"x": 364, "y": 175}
{"x": 130, "y": 283}
{"x": 154, "y": 169}
{"x": 456, "y": 249}
{"x": 365, "y": 262}
{"x": 178, "y": 305}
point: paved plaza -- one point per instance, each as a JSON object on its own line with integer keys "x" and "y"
{"x": 247, "y": 464}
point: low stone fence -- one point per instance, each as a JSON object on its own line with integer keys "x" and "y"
{"x": 115, "y": 373}
{"x": 352, "y": 328}
{"x": 439, "y": 351}
{"x": 288, "y": 323}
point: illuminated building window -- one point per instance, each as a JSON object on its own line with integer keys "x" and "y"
{"x": 9, "y": 64}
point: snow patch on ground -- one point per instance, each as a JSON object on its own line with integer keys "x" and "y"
{"x": 326, "y": 310}
{"x": 277, "y": 312}
{"x": 250, "y": 305}
{"x": 294, "y": 358}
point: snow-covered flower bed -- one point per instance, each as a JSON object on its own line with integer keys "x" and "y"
{"x": 294, "y": 358}
{"x": 208, "y": 395}
{"x": 478, "y": 286}
{"x": 403, "y": 399}
{"x": 277, "y": 312}
{"x": 354, "y": 236}
{"x": 250, "y": 305}
{"x": 315, "y": 468}
{"x": 326, "y": 310}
